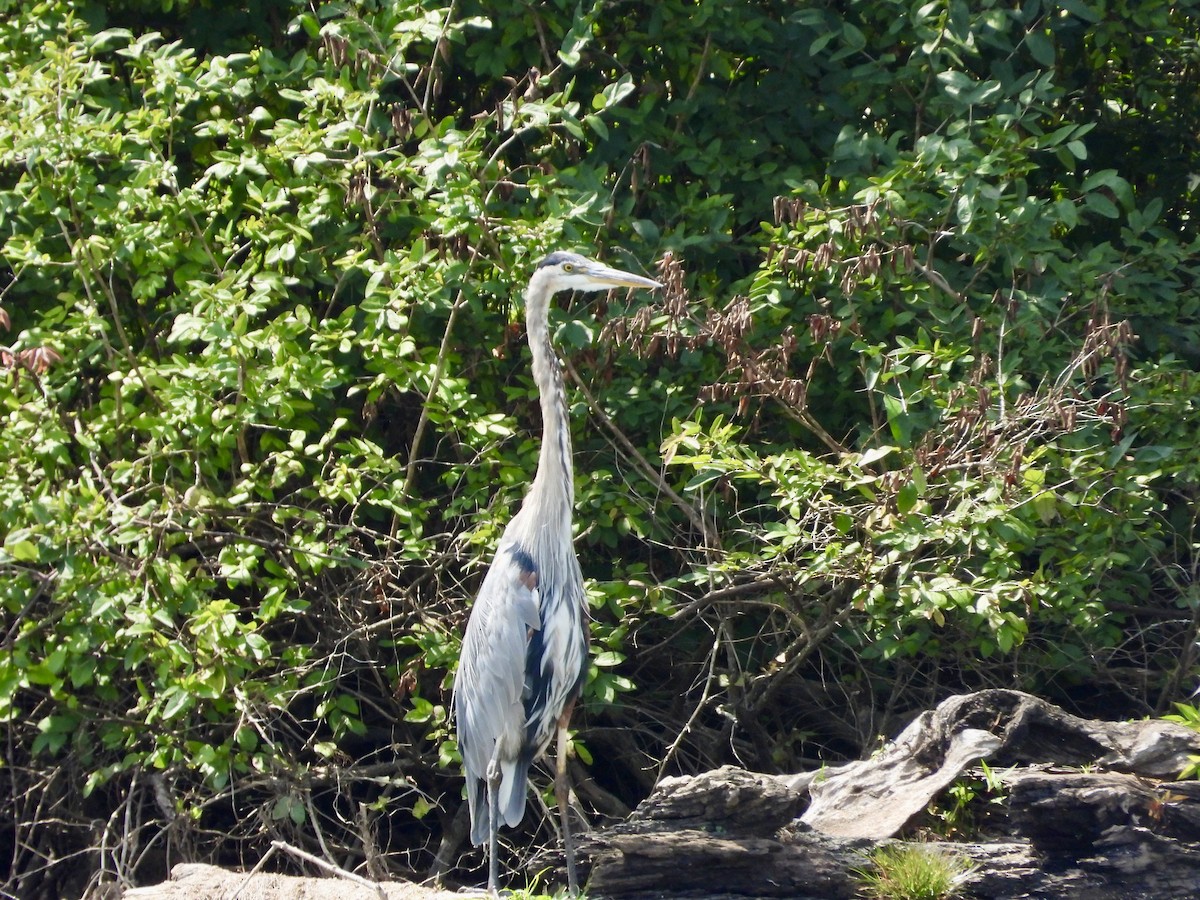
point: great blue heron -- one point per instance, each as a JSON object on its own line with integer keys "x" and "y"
{"x": 524, "y": 654}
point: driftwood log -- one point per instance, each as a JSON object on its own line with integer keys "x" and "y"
{"x": 876, "y": 797}
{"x": 1093, "y": 811}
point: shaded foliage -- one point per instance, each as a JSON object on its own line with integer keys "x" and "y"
{"x": 915, "y": 413}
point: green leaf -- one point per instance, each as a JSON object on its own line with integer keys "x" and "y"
{"x": 576, "y": 39}
{"x": 1041, "y": 48}
{"x": 109, "y": 39}
{"x": 421, "y": 808}
{"x": 614, "y": 93}
{"x": 875, "y": 454}
{"x": 1046, "y": 505}
{"x": 175, "y": 700}
{"x": 1100, "y": 204}
{"x": 820, "y": 42}
{"x": 22, "y": 551}
{"x": 597, "y": 125}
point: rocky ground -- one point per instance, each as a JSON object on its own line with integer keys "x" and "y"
{"x": 193, "y": 881}
{"x": 1091, "y": 810}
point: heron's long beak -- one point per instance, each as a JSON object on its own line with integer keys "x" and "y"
{"x": 611, "y": 277}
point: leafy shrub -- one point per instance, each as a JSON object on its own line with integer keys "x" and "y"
{"x": 916, "y": 412}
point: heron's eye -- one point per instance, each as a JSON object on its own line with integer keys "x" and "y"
{"x": 568, "y": 267}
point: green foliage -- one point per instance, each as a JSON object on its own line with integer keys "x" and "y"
{"x": 535, "y": 891}
{"x": 963, "y": 809}
{"x": 1185, "y": 714}
{"x": 913, "y": 872}
{"x": 916, "y": 412}
{"x": 1189, "y": 715}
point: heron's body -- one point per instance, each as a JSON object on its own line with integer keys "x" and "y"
{"x": 524, "y": 654}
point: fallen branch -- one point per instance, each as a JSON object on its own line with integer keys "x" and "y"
{"x": 309, "y": 858}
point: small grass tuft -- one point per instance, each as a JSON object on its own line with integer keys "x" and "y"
{"x": 537, "y": 891}
{"x": 913, "y": 872}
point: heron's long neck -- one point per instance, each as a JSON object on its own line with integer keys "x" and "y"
{"x": 554, "y": 481}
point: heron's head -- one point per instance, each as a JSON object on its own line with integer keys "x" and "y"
{"x": 564, "y": 271}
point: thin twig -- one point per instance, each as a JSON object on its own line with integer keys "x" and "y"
{"x": 805, "y": 418}
{"x": 439, "y": 369}
{"x": 761, "y": 584}
{"x": 316, "y": 861}
{"x": 687, "y": 726}
{"x": 257, "y": 867}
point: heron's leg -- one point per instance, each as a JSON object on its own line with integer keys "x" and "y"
{"x": 562, "y": 791}
{"x": 493, "y": 790}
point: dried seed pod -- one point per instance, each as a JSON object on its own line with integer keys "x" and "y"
{"x": 641, "y": 321}
{"x": 1121, "y": 368}
{"x": 848, "y": 282}
{"x": 38, "y": 359}
{"x": 870, "y": 262}
{"x": 823, "y": 257}
{"x": 819, "y": 326}
{"x": 870, "y": 218}
{"x": 853, "y": 224}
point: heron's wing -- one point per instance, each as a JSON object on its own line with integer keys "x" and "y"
{"x": 490, "y": 682}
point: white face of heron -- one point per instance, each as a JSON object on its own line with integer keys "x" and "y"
{"x": 572, "y": 272}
